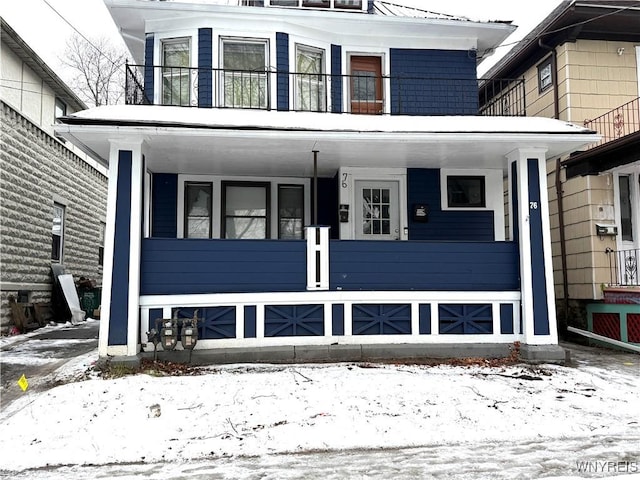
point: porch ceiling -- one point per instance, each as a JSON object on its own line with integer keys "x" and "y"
{"x": 241, "y": 142}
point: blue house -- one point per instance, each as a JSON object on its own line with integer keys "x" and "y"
{"x": 316, "y": 179}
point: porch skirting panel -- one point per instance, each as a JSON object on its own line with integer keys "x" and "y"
{"x": 237, "y": 321}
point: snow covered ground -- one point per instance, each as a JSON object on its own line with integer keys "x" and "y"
{"x": 330, "y": 421}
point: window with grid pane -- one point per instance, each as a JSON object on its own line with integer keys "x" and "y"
{"x": 376, "y": 215}
{"x": 175, "y": 72}
{"x": 197, "y": 203}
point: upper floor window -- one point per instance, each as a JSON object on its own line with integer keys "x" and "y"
{"x": 60, "y": 109}
{"x": 245, "y": 81}
{"x": 175, "y": 71}
{"x": 310, "y": 81}
{"x": 545, "y": 75}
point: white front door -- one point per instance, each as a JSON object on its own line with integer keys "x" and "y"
{"x": 627, "y": 191}
{"x": 377, "y": 215}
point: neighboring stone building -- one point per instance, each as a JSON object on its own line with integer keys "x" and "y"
{"x": 53, "y": 196}
{"x": 582, "y": 65}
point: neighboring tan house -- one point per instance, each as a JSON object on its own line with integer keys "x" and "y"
{"x": 318, "y": 192}
{"x": 582, "y": 65}
{"x": 53, "y": 197}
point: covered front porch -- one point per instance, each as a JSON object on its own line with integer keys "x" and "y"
{"x": 437, "y": 229}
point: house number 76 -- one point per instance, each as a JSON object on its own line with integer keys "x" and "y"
{"x": 533, "y": 205}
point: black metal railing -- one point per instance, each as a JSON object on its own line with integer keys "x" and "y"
{"x": 617, "y": 123}
{"x": 314, "y": 92}
{"x": 623, "y": 267}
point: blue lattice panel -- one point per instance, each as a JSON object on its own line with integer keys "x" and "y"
{"x": 465, "y": 319}
{"x": 215, "y": 322}
{"x": 385, "y": 319}
{"x": 633, "y": 327}
{"x": 607, "y": 325}
{"x": 293, "y": 320}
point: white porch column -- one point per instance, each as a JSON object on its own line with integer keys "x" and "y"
{"x": 530, "y": 209}
{"x": 317, "y": 258}
{"x": 121, "y": 276}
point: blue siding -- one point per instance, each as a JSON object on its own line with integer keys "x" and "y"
{"x": 538, "y": 273}
{"x": 381, "y": 319}
{"x": 514, "y": 201}
{"x": 465, "y": 319}
{"x": 337, "y": 316}
{"x": 423, "y": 187}
{"x": 433, "y": 82}
{"x": 148, "y": 68}
{"x": 205, "y": 65}
{"x": 328, "y": 205}
{"x": 425, "y": 319}
{"x": 191, "y": 266}
{"x": 164, "y": 204}
{"x": 506, "y": 318}
{"x": 119, "y": 316}
{"x": 336, "y": 79}
{"x": 293, "y": 320}
{"x": 282, "y": 65}
{"x": 455, "y": 266}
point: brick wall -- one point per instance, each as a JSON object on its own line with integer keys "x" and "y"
{"x": 36, "y": 170}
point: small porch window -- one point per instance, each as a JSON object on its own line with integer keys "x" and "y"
{"x": 245, "y": 82}
{"x": 175, "y": 72}
{"x": 545, "y": 75}
{"x": 466, "y": 191}
{"x": 57, "y": 232}
{"x": 290, "y": 212}
{"x": 197, "y": 201}
{"x": 246, "y": 210}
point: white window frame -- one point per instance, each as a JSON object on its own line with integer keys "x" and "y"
{"x": 493, "y": 190}
{"x": 352, "y": 51}
{"x": 63, "y": 208}
{"x": 270, "y": 78}
{"x": 545, "y": 82}
{"x": 293, "y": 64}
{"x": 216, "y": 212}
{"x": 157, "y": 63}
{"x": 363, "y": 8}
{"x": 634, "y": 173}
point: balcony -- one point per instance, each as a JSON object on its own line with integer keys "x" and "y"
{"x": 617, "y": 123}
{"x": 319, "y": 92}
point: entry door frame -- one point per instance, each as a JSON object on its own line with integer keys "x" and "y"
{"x": 347, "y": 178}
{"x": 634, "y": 173}
{"x": 354, "y": 51}
{"x": 394, "y": 214}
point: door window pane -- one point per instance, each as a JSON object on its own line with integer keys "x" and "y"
{"x": 197, "y": 210}
{"x": 376, "y": 211}
{"x": 246, "y": 211}
{"x": 310, "y": 80}
{"x": 175, "y": 72}
{"x": 244, "y": 74}
{"x": 290, "y": 211}
{"x": 626, "y": 212}
{"x": 57, "y": 232}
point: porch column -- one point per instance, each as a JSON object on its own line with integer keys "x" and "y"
{"x": 532, "y": 232}
{"x": 121, "y": 275}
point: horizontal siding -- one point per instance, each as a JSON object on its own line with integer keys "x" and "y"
{"x": 452, "y": 266}
{"x": 192, "y": 266}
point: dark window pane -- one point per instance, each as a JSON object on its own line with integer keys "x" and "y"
{"x": 465, "y": 191}
{"x": 625, "y": 208}
{"x": 198, "y": 210}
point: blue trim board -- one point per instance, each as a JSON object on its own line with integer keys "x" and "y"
{"x": 337, "y": 315}
{"x": 538, "y": 273}
{"x": 514, "y": 200}
{"x": 250, "y": 315}
{"x": 119, "y": 314}
{"x": 205, "y": 67}
{"x": 383, "y": 319}
{"x": 425, "y": 319}
{"x": 164, "y": 205}
{"x": 293, "y": 320}
{"x": 148, "y": 68}
{"x": 336, "y": 79}
{"x": 471, "y": 319}
{"x": 506, "y": 318}
{"x": 282, "y": 66}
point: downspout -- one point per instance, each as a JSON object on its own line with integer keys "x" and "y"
{"x": 558, "y": 183}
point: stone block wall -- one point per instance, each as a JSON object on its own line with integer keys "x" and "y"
{"x": 37, "y": 170}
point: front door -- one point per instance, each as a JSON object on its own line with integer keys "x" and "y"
{"x": 377, "y": 210}
{"x": 366, "y": 85}
{"x": 628, "y": 220}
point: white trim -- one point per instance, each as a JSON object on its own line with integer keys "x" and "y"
{"x": 638, "y": 66}
{"x": 349, "y": 51}
{"x": 159, "y": 39}
{"x": 146, "y": 204}
{"x": 317, "y": 245}
{"x": 296, "y": 41}
{"x": 328, "y": 319}
{"x": 634, "y": 183}
{"x": 107, "y": 271}
{"x": 415, "y": 319}
{"x": 494, "y": 195}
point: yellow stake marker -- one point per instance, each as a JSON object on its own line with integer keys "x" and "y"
{"x": 23, "y": 383}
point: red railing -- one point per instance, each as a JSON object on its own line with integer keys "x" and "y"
{"x": 619, "y": 122}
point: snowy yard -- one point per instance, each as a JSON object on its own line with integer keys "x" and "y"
{"x": 539, "y": 420}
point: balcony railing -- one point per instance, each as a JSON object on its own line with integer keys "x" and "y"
{"x": 623, "y": 267}
{"x": 618, "y": 123}
{"x": 319, "y": 92}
